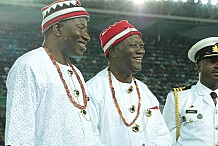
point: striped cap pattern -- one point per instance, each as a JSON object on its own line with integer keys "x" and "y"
{"x": 61, "y": 10}
{"x": 116, "y": 33}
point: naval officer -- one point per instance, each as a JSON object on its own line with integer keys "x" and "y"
{"x": 191, "y": 113}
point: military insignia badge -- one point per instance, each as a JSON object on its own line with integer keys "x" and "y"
{"x": 215, "y": 49}
{"x": 199, "y": 116}
{"x": 183, "y": 118}
{"x": 191, "y": 110}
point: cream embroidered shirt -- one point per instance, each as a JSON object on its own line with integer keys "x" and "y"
{"x": 113, "y": 132}
{"x": 39, "y": 112}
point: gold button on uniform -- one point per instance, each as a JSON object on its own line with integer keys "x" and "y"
{"x": 190, "y": 120}
{"x": 216, "y": 111}
{"x": 216, "y": 127}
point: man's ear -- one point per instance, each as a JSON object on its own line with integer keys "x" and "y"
{"x": 198, "y": 67}
{"x": 57, "y": 27}
{"x": 112, "y": 52}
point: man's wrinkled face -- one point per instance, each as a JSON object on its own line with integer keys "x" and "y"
{"x": 130, "y": 53}
{"x": 75, "y": 36}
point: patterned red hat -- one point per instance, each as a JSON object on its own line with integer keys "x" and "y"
{"x": 116, "y": 33}
{"x": 61, "y": 10}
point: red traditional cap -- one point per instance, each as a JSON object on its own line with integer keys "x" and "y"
{"x": 61, "y": 10}
{"x": 116, "y": 33}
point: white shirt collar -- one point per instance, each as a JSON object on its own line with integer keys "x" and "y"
{"x": 206, "y": 89}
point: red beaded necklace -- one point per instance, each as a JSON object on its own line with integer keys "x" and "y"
{"x": 117, "y": 105}
{"x": 65, "y": 85}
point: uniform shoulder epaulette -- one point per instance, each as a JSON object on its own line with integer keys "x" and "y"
{"x": 183, "y": 88}
{"x": 178, "y": 89}
{"x": 187, "y": 87}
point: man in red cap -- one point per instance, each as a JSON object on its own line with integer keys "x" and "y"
{"x": 191, "y": 113}
{"x": 127, "y": 112}
{"x": 46, "y": 99}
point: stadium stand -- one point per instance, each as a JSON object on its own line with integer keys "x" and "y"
{"x": 165, "y": 64}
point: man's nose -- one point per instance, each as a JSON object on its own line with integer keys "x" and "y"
{"x": 86, "y": 36}
{"x": 141, "y": 49}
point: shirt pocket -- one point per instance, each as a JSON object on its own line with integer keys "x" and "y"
{"x": 192, "y": 125}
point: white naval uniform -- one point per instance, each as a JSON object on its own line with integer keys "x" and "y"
{"x": 198, "y": 117}
{"x": 38, "y": 110}
{"x": 113, "y": 132}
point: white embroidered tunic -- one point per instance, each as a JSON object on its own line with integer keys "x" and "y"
{"x": 113, "y": 132}
{"x": 38, "y": 110}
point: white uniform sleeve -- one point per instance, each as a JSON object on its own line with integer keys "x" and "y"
{"x": 20, "y": 107}
{"x": 169, "y": 116}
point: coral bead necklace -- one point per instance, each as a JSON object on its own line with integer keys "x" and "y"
{"x": 117, "y": 105}
{"x": 82, "y": 107}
